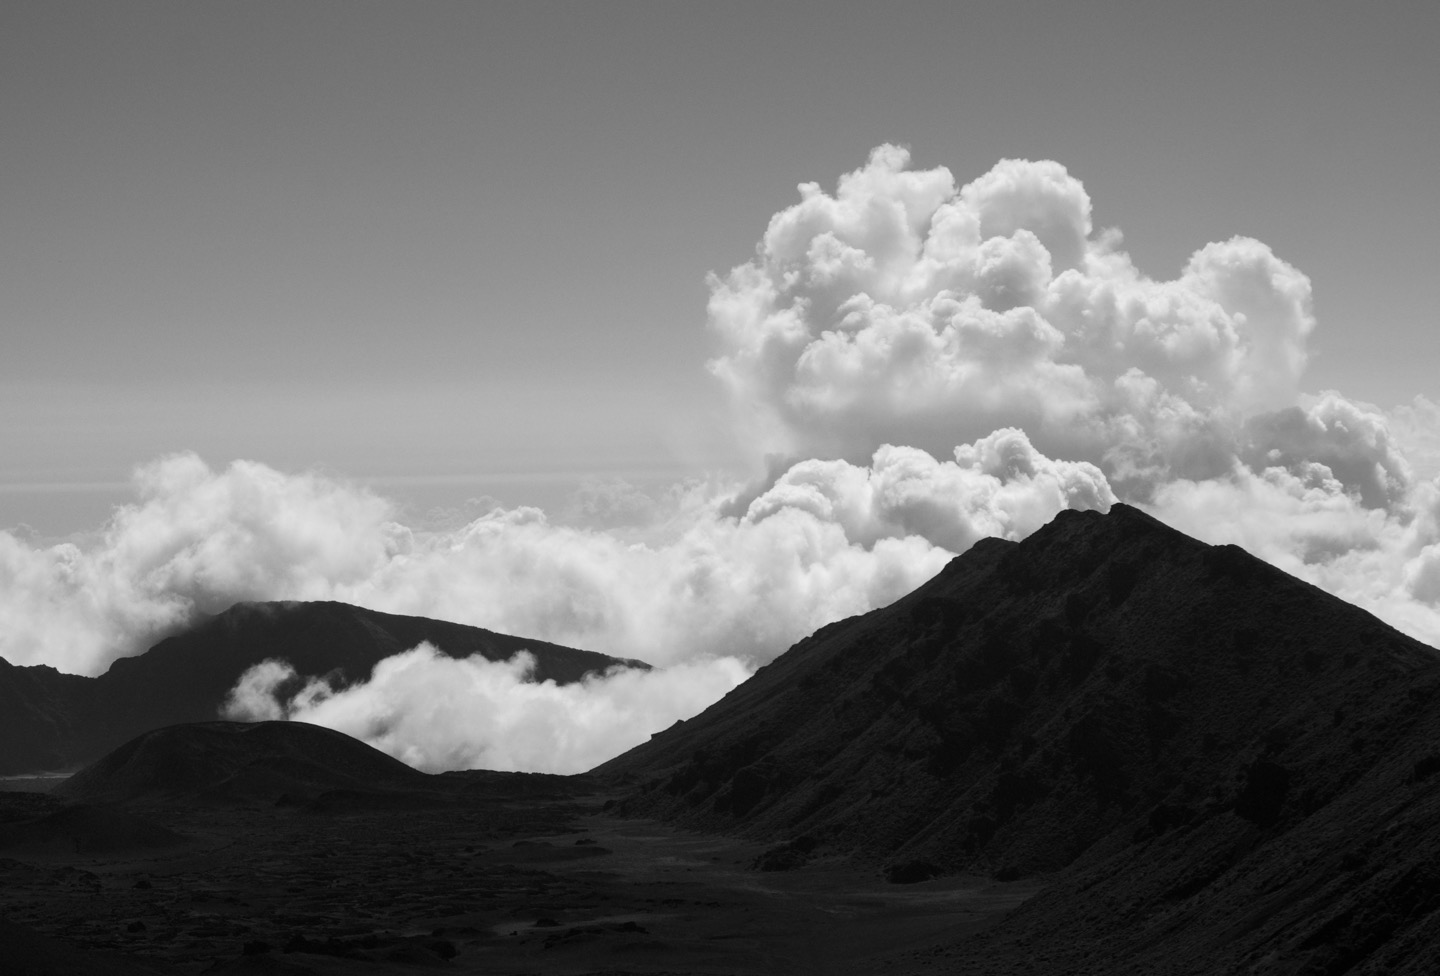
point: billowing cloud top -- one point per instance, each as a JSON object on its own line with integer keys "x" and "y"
{"x": 903, "y": 310}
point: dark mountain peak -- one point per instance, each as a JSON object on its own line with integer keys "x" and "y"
{"x": 1075, "y": 544}
{"x": 327, "y": 637}
{"x": 1034, "y": 698}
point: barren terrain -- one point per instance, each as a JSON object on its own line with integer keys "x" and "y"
{"x": 504, "y": 884}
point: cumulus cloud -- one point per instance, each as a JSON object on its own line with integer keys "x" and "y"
{"x": 827, "y": 540}
{"x": 998, "y": 486}
{"x": 437, "y": 712}
{"x": 1309, "y": 524}
{"x": 1352, "y": 445}
{"x": 1416, "y": 428}
{"x": 195, "y": 541}
{"x": 936, "y": 362}
{"x": 904, "y": 310}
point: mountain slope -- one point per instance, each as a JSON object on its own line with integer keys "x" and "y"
{"x": 52, "y": 720}
{"x": 42, "y": 712}
{"x": 1175, "y": 723}
{"x": 1035, "y": 696}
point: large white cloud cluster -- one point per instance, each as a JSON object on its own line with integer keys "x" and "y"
{"x": 827, "y": 540}
{"x": 940, "y": 364}
{"x": 902, "y": 310}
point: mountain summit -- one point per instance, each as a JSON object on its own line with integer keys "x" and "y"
{"x": 1107, "y": 692}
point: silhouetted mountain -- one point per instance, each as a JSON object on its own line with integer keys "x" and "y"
{"x": 1226, "y": 761}
{"x": 293, "y": 763}
{"x": 43, "y": 713}
{"x": 237, "y": 760}
{"x": 50, "y": 720}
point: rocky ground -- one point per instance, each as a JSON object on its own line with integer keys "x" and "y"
{"x": 501, "y": 885}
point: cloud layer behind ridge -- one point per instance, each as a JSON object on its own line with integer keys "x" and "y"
{"x": 938, "y": 363}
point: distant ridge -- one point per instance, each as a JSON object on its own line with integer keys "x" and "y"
{"x": 1221, "y": 760}
{"x": 235, "y": 760}
{"x": 51, "y": 720}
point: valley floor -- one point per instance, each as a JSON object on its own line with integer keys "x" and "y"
{"x": 498, "y": 885}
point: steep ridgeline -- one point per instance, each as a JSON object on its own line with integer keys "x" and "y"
{"x": 50, "y": 720}
{"x": 1225, "y": 760}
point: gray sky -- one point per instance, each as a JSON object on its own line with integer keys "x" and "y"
{"x": 461, "y": 248}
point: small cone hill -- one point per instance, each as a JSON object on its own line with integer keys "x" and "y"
{"x": 1201, "y": 757}
{"x": 258, "y": 765}
{"x": 237, "y": 761}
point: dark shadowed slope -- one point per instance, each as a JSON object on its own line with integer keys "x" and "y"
{"x": 42, "y": 713}
{"x": 1194, "y": 733}
{"x": 51, "y": 720}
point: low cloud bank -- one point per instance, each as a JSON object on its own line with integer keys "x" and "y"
{"x": 437, "y": 713}
{"x": 937, "y": 362}
{"x": 195, "y": 542}
{"x": 826, "y": 540}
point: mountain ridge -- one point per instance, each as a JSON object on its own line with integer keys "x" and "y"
{"x": 1016, "y": 651}
{"x": 53, "y": 720}
{"x": 1212, "y": 766}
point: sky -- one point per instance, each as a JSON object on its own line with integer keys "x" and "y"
{"x": 517, "y": 313}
